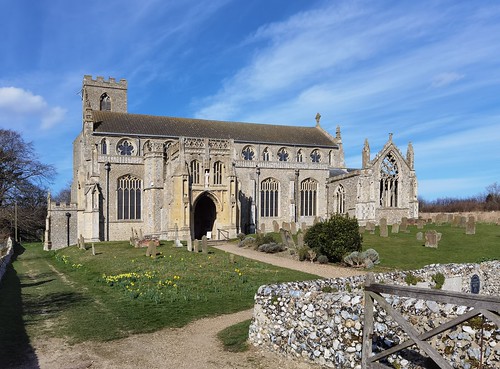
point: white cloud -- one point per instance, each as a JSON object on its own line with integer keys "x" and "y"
{"x": 19, "y": 105}
{"x": 444, "y": 79}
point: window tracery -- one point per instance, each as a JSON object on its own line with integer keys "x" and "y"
{"x": 129, "y": 197}
{"x": 266, "y": 154}
{"x": 308, "y": 197}
{"x": 248, "y": 153}
{"x": 218, "y": 167}
{"x": 339, "y": 200}
{"x": 316, "y": 156}
{"x": 125, "y": 147}
{"x": 283, "y": 154}
{"x": 195, "y": 168}
{"x": 300, "y": 156}
{"x": 389, "y": 181}
{"x": 269, "y": 197}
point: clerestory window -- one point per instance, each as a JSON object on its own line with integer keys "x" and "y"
{"x": 283, "y": 154}
{"x": 248, "y": 153}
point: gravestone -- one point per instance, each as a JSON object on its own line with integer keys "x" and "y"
{"x": 395, "y": 228}
{"x": 361, "y": 229}
{"x": 204, "y": 245}
{"x": 420, "y": 223}
{"x": 316, "y": 220}
{"x": 303, "y": 226}
{"x": 151, "y": 251}
{"x": 300, "y": 240}
{"x": 93, "y": 249}
{"x": 463, "y": 222}
{"x": 370, "y": 227}
{"x": 420, "y": 236}
{"x": 456, "y": 221}
{"x": 475, "y": 284}
{"x": 263, "y": 228}
{"x": 286, "y": 238}
{"x": 140, "y": 234}
{"x": 276, "y": 227}
{"x": 178, "y": 243}
{"x": 470, "y": 227}
{"x": 196, "y": 246}
{"x": 384, "y": 232}
{"x": 285, "y": 226}
{"x": 189, "y": 244}
{"x": 431, "y": 239}
{"x": 293, "y": 227}
{"x": 404, "y": 225}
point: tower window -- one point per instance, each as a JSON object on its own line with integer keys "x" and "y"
{"x": 218, "y": 166}
{"x": 105, "y": 102}
{"x": 129, "y": 198}
{"x": 195, "y": 171}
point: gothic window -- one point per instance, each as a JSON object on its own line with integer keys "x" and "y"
{"x": 218, "y": 166}
{"x": 248, "y": 153}
{"x": 308, "y": 197}
{"x": 195, "y": 167}
{"x": 300, "y": 156}
{"x": 316, "y": 156}
{"x": 269, "y": 198}
{"x": 129, "y": 197}
{"x": 283, "y": 154}
{"x": 389, "y": 177}
{"x": 265, "y": 154}
{"x": 339, "y": 200}
{"x": 105, "y": 102}
{"x": 104, "y": 147}
{"x": 125, "y": 147}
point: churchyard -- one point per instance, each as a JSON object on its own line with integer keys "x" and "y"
{"x": 114, "y": 290}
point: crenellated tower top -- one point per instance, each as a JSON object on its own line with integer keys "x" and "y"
{"x": 101, "y": 94}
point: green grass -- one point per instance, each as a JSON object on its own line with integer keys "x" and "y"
{"x": 72, "y": 294}
{"x": 403, "y": 250}
{"x": 235, "y": 337}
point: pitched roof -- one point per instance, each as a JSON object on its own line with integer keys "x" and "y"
{"x": 148, "y": 125}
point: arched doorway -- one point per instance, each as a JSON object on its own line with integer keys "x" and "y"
{"x": 204, "y": 216}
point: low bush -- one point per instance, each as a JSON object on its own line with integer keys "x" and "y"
{"x": 323, "y": 259}
{"x": 335, "y": 238}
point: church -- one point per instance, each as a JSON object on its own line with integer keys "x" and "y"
{"x": 183, "y": 178}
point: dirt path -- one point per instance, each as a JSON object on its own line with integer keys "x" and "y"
{"x": 191, "y": 347}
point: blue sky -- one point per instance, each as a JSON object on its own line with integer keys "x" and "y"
{"x": 426, "y": 71}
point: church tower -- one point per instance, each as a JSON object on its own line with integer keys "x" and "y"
{"x": 100, "y": 94}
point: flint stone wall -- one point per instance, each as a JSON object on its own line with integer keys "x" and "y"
{"x": 299, "y": 320}
{"x": 6, "y": 252}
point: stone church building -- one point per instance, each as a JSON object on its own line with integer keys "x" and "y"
{"x": 184, "y": 178}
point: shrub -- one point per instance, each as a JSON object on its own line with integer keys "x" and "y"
{"x": 247, "y": 242}
{"x": 335, "y": 237}
{"x": 241, "y": 236}
{"x": 303, "y": 253}
{"x": 438, "y": 280}
{"x": 410, "y": 279}
{"x": 323, "y": 259}
{"x": 271, "y": 248}
{"x": 261, "y": 238}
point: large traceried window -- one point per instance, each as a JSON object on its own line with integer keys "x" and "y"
{"x": 389, "y": 177}
{"x": 218, "y": 168}
{"x": 339, "y": 200}
{"x": 129, "y": 197}
{"x": 105, "y": 103}
{"x": 269, "y": 196}
{"x": 195, "y": 169}
{"x": 308, "y": 197}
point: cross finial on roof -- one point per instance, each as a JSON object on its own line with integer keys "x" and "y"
{"x": 390, "y": 136}
{"x": 318, "y": 117}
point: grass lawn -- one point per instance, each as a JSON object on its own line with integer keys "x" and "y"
{"x": 72, "y": 294}
{"x": 404, "y": 251}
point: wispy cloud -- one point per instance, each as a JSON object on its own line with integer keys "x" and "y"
{"x": 19, "y": 105}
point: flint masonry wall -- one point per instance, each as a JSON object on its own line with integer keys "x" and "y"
{"x": 301, "y": 320}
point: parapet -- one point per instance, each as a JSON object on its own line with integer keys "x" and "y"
{"x": 100, "y": 81}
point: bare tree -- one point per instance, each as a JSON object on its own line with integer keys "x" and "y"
{"x": 23, "y": 178}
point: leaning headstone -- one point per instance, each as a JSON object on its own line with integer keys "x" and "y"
{"x": 431, "y": 239}
{"x": 283, "y": 236}
{"x": 293, "y": 227}
{"x": 178, "y": 243}
{"x": 403, "y": 227}
{"x": 263, "y": 228}
{"x": 189, "y": 244}
{"x": 276, "y": 227}
{"x": 287, "y": 239}
{"x": 420, "y": 236}
{"x": 420, "y": 223}
{"x": 204, "y": 245}
{"x": 196, "y": 246}
{"x": 470, "y": 227}
{"x": 300, "y": 240}
{"x": 395, "y": 228}
{"x": 384, "y": 232}
{"x": 285, "y": 226}
{"x": 93, "y": 249}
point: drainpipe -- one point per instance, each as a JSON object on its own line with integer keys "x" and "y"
{"x": 107, "y": 166}
{"x": 257, "y": 196}
{"x": 68, "y": 215}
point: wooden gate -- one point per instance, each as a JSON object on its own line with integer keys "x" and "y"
{"x": 488, "y": 306}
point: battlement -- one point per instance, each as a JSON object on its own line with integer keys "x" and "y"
{"x": 101, "y": 82}
{"x": 61, "y": 206}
